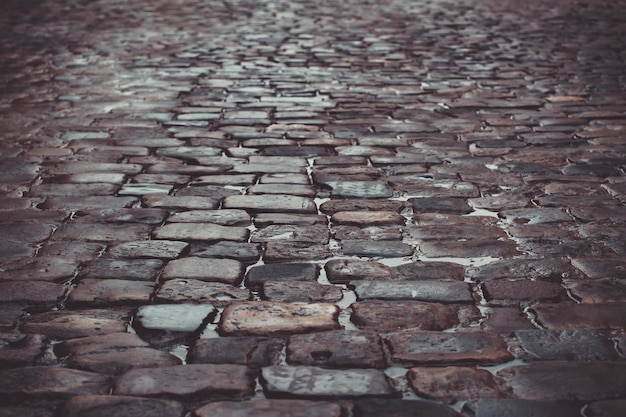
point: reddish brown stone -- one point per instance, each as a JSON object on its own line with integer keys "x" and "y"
{"x": 453, "y": 382}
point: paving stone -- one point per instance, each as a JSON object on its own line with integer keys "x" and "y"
{"x": 316, "y": 234}
{"x": 61, "y": 190}
{"x": 597, "y": 291}
{"x": 453, "y": 382}
{"x": 222, "y": 217}
{"x": 86, "y": 203}
{"x": 443, "y": 292}
{"x": 556, "y": 380}
{"x": 269, "y": 219}
{"x": 440, "y": 205}
{"x": 429, "y": 348}
{"x": 367, "y": 218}
{"x": 343, "y": 271}
{"x": 163, "y": 249}
{"x": 31, "y": 294}
{"x": 198, "y": 382}
{"x": 278, "y": 251}
{"x": 244, "y": 350}
{"x": 122, "y": 215}
{"x": 114, "y": 354}
{"x": 180, "y": 202}
{"x": 394, "y": 315}
{"x": 216, "y": 192}
{"x": 371, "y": 407}
{"x": 301, "y": 291}
{"x": 9, "y": 317}
{"x": 506, "y": 320}
{"x": 228, "y": 271}
{"x": 359, "y": 189}
{"x": 575, "y": 316}
{"x": 538, "y": 215}
{"x": 18, "y": 172}
{"x": 606, "y": 408}
{"x": 228, "y": 179}
{"x": 122, "y": 269}
{"x": 119, "y": 405}
{"x": 102, "y": 232}
{"x": 270, "y": 203}
{"x": 106, "y": 292}
{"x": 503, "y": 292}
{"x": 270, "y": 408}
{"x": 38, "y": 269}
{"x": 67, "y": 324}
{"x": 384, "y": 248}
{"x": 489, "y": 407}
{"x": 200, "y": 231}
{"x": 25, "y": 232}
{"x": 596, "y": 268}
{"x": 373, "y": 233}
{"x": 535, "y": 269}
{"x": 338, "y": 348}
{"x": 173, "y": 317}
{"x": 244, "y": 252}
{"x": 570, "y": 345}
{"x": 51, "y": 381}
{"x": 429, "y": 271}
{"x": 18, "y": 350}
{"x": 258, "y": 275}
{"x": 425, "y": 186}
{"x": 312, "y": 382}
{"x": 267, "y": 318}
{"x": 361, "y": 205}
{"x": 196, "y": 291}
{"x": 474, "y": 248}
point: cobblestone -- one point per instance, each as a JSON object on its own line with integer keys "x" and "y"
{"x": 271, "y": 208}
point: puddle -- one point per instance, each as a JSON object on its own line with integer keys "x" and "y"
{"x": 479, "y": 261}
{"x": 181, "y": 352}
{"x": 493, "y": 369}
{"x": 483, "y": 213}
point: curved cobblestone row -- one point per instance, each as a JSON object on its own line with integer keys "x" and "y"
{"x": 312, "y": 209}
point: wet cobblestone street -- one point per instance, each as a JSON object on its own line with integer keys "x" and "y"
{"x": 312, "y": 209}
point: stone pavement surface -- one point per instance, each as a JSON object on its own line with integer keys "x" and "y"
{"x": 312, "y": 208}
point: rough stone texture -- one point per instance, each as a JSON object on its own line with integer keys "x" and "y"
{"x": 196, "y": 291}
{"x": 503, "y": 292}
{"x": 173, "y": 317}
{"x": 304, "y": 381}
{"x": 200, "y": 231}
{"x": 51, "y": 381}
{"x": 550, "y": 381}
{"x": 453, "y": 382}
{"x": 367, "y": 218}
{"x": 67, "y": 324}
{"x": 272, "y": 203}
{"x": 113, "y": 354}
{"x": 306, "y": 234}
{"x": 270, "y": 408}
{"x": 572, "y": 345}
{"x": 122, "y": 269}
{"x": 288, "y": 252}
{"x": 394, "y": 315}
{"x": 103, "y": 292}
{"x": 258, "y": 275}
{"x": 119, "y": 405}
{"x": 39, "y": 269}
{"x": 606, "y": 408}
{"x": 385, "y": 249}
{"x": 443, "y": 292}
{"x": 342, "y": 349}
{"x": 398, "y": 408}
{"x": 244, "y": 252}
{"x": 511, "y": 407}
{"x": 163, "y": 249}
{"x": 34, "y": 294}
{"x": 222, "y": 217}
{"x": 423, "y": 347}
{"x": 197, "y": 381}
{"x": 575, "y": 316}
{"x": 228, "y": 271}
{"x": 252, "y": 351}
{"x": 300, "y": 291}
{"x": 266, "y": 318}
{"x": 342, "y": 271}
{"x": 17, "y": 349}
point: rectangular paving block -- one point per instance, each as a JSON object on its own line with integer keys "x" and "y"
{"x": 228, "y": 271}
{"x": 311, "y": 382}
{"x": 270, "y": 408}
{"x": 426, "y": 347}
{"x": 199, "y": 382}
{"x": 200, "y": 231}
{"x": 268, "y": 318}
{"x": 51, "y": 381}
{"x": 437, "y": 291}
{"x": 271, "y": 203}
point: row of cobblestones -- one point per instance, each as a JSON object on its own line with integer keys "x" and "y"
{"x": 312, "y": 209}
